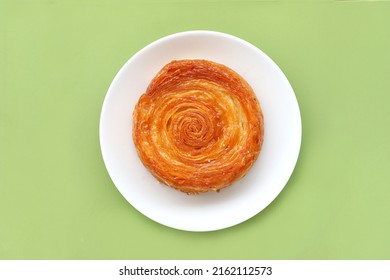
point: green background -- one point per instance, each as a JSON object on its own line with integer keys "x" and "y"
{"x": 57, "y": 61}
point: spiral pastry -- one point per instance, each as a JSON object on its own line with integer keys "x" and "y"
{"x": 198, "y": 127}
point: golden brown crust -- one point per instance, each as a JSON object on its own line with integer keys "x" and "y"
{"x": 198, "y": 127}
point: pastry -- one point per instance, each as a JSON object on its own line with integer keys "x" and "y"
{"x": 198, "y": 127}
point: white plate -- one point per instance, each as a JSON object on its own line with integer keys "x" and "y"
{"x": 245, "y": 198}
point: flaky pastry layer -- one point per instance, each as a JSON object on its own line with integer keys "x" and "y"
{"x": 198, "y": 127}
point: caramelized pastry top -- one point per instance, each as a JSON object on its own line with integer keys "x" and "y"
{"x": 198, "y": 127}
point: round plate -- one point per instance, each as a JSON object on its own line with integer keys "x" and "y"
{"x": 213, "y": 210}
